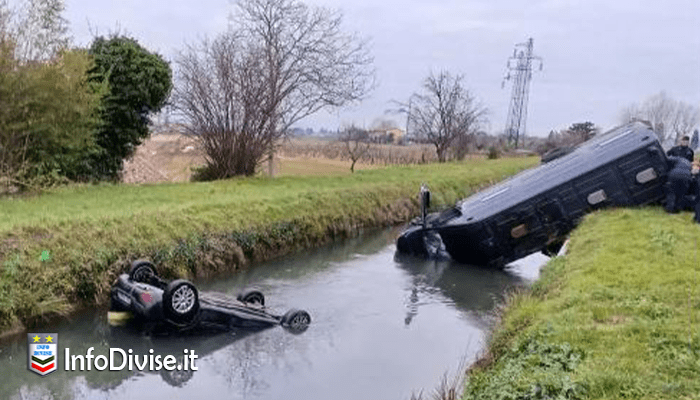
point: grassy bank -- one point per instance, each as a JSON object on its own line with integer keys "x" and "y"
{"x": 63, "y": 249}
{"x": 618, "y": 317}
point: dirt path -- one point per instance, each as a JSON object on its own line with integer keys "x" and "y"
{"x": 164, "y": 157}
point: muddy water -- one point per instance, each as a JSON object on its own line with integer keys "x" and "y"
{"x": 382, "y": 328}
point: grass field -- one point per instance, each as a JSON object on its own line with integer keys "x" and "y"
{"x": 304, "y": 166}
{"x": 63, "y": 249}
{"x": 618, "y": 317}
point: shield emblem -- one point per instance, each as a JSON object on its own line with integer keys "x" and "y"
{"x": 42, "y": 356}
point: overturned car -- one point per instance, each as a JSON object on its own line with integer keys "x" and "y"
{"x": 535, "y": 209}
{"x": 178, "y": 305}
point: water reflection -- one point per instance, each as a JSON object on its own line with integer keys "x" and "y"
{"x": 233, "y": 356}
{"x": 472, "y": 289}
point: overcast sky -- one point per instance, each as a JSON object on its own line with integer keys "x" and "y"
{"x": 599, "y": 55}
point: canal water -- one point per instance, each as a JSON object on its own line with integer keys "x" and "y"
{"x": 382, "y": 328}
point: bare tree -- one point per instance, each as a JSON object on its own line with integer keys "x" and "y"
{"x": 666, "y": 115}
{"x": 41, "y": 30}
{"x": 308, "y": 62}
{"x": 356, "y": 143}
{"x": 221, "y": 98}
{"x": 281, "y": 61}
{"x": 685, "y": 119}
{"x": 444, "y": 113}
{"x": 4, "y": 20}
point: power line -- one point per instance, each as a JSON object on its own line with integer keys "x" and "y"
{"x": 520, "y": 69}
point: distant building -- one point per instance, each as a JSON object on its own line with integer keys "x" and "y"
{"x": 390, "y": 135}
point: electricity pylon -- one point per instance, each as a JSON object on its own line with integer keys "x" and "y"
{"x": 520, "y": 65}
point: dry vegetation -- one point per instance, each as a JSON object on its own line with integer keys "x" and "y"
{"x": 163, "y": 157}
{"x": 169, "y": 157}
{"x": 378, "y": 154}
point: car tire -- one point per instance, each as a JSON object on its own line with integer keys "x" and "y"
{"x": 142, "y": 271}
{"x": 181, "y": 301}
{"x": 251, "y": 296}
{"x": 296, "y": 321}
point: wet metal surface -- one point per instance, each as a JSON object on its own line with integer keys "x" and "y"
{"x": 382, "y": 328}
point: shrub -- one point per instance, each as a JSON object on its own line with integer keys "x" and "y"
{"x": 139, "y": 84}
{"x": 493, "y": 153}
{"x": 48, "y": 113}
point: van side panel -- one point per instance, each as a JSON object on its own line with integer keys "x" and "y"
{"x": 633, "y": 179}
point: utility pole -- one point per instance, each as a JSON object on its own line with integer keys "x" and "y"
{"x": 520, "y": 70}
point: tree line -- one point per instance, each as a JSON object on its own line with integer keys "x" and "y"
{"x": 671, "y": 119}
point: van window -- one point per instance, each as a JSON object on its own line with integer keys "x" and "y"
{"x": 597, "y": 197}
{"x": 647, "y": 175}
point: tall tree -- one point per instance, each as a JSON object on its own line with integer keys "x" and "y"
{"x": 139, "y": 84}
{"x": 444, "y": 113}
{"x": 4, "y": 20}
{"x": 309, "y": 63}
{"x": 669, "y": 118}
{"x": 582, "y": 131}
{"x": 685, "y": 118}
{"x": 281, "y": 61}
{"x": 41, "y": 31}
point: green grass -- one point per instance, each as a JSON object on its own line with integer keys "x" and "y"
{"x": 86, "y": 235}
{"x": 618, "y": 317}
{"x": 317, "y": 166}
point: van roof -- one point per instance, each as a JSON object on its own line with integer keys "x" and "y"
{"x": 596, "y": 152}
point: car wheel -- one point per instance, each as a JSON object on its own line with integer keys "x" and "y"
{"x": 296, "y": 321}
{"x": 252, "y": 296}
{"x": 142, "y": 271}
{"x": 180, "y": 301}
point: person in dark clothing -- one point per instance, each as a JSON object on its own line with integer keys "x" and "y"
{"x": 695, "y": 189}
{"x": 682, "y": 150}
{"x": 678, "y": 182}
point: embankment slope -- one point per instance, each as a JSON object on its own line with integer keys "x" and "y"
{"x": 617, "y": 317}
{"x": 63, "y": 249}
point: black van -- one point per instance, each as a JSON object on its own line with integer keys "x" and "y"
{"x": 535, "y": 209}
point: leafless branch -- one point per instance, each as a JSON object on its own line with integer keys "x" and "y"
{"x": 666, "y": 115}
{"x": 356, "y": 144}
{"x": 280, "y": 62}
{"x": 445, "y": 113}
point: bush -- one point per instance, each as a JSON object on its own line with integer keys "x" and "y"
{"x": 203, "y": 173}
{"x": 48, "y": 113}
{"x": 493, "y": 153}
{"x": 139, "y": 84}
